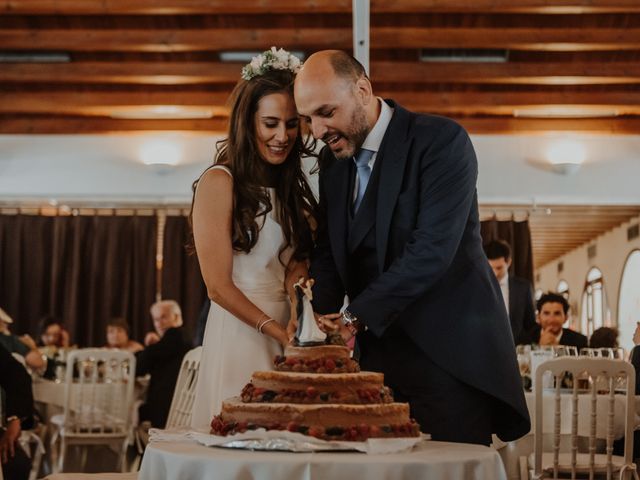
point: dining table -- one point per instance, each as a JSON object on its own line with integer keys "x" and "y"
{"x": 164, "y": 460}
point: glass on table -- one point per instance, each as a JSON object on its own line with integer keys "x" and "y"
{"x": 588, "y": 352}
{"x": 523, "y": 353}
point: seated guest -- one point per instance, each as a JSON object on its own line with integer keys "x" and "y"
{"x": 23, "y": 346}
{"x": 118, "y": 336}
{"x": 604, "y": 337}
{"x": 52, "y": 333}
{"x": 516, "y": 292}
{"x": 162, "y": 358}
{"x": 553, "y": 310}
{"x": 18, "y": 411}
{"x": 53, "y": 337}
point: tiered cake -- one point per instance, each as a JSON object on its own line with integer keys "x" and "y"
{"x": 317, "y": 391}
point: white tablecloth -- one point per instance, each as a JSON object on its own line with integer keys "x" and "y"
{"x": 52, "y": 393}
{"x": 584, "y": 413}
{"x": 429, "y": 459}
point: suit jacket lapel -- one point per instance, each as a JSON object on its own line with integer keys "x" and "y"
{"x": 394, "y": 148}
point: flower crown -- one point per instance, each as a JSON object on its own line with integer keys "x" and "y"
{"x": 271, "y": 60}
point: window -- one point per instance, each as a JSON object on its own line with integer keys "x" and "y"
{"x": 629, "y": 300}
{"x": 595, "y": 309}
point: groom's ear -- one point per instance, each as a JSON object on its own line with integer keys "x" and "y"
{"x": 364, "y": 90}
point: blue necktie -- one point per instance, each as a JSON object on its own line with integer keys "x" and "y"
{"x": 364, "y": 172}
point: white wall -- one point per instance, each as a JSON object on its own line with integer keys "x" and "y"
{"x": 612, "y": 249}
{"x": 104, "y": 167}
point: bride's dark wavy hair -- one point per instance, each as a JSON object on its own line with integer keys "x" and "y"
{"x": 297, "y": 206}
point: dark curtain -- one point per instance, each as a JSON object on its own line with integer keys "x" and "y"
{"x": 82, "y": 269}
{"x": 25, "y": 269}
{"x": 518, "y": 236}
{"x": 181, "y": 278}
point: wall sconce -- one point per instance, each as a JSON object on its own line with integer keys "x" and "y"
{"x": 161, "y": 155}
{"x": 566, "y": 156}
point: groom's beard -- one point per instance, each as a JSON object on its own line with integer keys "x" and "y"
{"x": 355, "y": 135}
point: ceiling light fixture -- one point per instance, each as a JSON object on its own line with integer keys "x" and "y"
{"x": 564, "y": 111}
{"x": 464, "y": 55}
{"x": 566, "y": 155}
{"x": 34, "y": 57}
{"x": 160, "y": 154}
{"x": 162, "y": 112}
{"x": 246, "y": 56}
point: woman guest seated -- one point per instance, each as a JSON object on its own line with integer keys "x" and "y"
{"x": 53, "y": 337}
{"x": 52, "y": 333}
{"x": 118, "y": 336}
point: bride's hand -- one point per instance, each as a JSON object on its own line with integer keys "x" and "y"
{"x": 292, "y": 327}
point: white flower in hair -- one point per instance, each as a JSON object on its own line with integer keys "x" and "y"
{"x": 273, "y": 59}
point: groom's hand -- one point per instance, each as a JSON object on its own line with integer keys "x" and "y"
{"x": 328, "y": 323}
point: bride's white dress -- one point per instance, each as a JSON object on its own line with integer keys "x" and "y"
{"x": 233, "y": 350}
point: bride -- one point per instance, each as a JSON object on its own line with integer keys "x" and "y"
{"x": 251, "y": 217}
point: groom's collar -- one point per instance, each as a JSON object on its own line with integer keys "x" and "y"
{"x": 374, "y": 139}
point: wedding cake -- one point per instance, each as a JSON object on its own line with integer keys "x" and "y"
{"x": 317, "y": 389}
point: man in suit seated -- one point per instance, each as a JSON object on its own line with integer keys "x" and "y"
{"x": 516, "y": 291}
{"x": 162, "y": 358}
{"x": 553, "y": 311}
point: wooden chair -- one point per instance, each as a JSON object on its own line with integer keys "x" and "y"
{"x": 97, "y": 402}
{"x": 600, "y": 377}
{"x": 184, "y": 393}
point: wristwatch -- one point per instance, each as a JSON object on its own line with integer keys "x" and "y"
{"x": 351, "y": 322}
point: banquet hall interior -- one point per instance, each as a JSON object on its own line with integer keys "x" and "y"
{"x": 111, "y": 109}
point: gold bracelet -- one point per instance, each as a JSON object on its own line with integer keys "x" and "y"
{"x": 262, "y": 318}
{"x": 262, "y": 324}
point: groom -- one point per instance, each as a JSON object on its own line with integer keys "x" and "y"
{"x": 399, "y": 234}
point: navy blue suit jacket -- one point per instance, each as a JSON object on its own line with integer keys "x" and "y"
{"x": 434, "y": 279}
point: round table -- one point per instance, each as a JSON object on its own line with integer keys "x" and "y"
{"x": 429, "y": 459}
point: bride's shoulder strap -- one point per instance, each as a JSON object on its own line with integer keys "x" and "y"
{"x": 221, "y": 167}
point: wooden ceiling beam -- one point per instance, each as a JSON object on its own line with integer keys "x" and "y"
{"x": 181, "y": 73}
{"x": 171, "y": 40}
{"x": 170, "y": 7}
{"x": 182, "y": 40}
{"x": 16, "y": 123}
{"x": 514, "y": 126}
{"x": 531, "y": 73}
{"x": 144, "y": 73}
{"x": 496, "y": 102}
{"x": 87, "y": 125}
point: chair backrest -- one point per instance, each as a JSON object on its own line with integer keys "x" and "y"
{"x": 592, "y": 396}
{"x": 184, "y": 393}
{"x": 98, "y": 393}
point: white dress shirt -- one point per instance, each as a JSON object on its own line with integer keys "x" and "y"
{"x": 374, "y": 139}
{"x": 504, "y": 287}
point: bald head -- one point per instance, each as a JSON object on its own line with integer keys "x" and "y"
{"x": 334, "y": 63}
{"x": 334, "y": 96}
